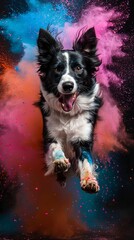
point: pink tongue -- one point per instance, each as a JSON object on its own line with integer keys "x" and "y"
{"x": 67, "y": 102}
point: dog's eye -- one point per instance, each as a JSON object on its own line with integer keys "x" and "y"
{"x": 59, "y": 69}
{"x": 78, "y": 69}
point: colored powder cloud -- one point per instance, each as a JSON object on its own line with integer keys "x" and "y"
{"x": 24, "y": 28}
{"x": 108, "y": 132}
{"x": 109, "y": 42}
{"x": 45, "y": 205}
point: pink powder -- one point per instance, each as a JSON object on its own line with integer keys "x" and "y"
{"x": 109, "y": 42}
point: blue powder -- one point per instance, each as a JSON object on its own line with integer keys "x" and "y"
{"x": 58, "y": 154}
{"x": 23, "y": 29}
{"x": 87, "y": 155}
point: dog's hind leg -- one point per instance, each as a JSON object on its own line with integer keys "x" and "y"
{"x": 56, "y": 160}
{"x": 61, "y": 179}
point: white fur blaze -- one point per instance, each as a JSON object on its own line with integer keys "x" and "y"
{"x": 66, "y": 77}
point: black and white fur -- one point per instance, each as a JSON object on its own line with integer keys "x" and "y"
{"x": 70, "y": 99}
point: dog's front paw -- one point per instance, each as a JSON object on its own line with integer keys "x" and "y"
{"x": 61, "y": 163}
{"x": 61, "y": 166}
{"x": 90, "y": 185}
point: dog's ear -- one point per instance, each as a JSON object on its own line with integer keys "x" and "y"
{"x": 46, "y": 43}
{"x": 85, "y": 41}
{"x": 47, "y": 47}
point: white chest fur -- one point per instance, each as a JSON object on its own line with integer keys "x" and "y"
{"x": 66, "y": 129}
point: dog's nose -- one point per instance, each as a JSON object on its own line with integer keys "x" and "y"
{"x": 68, "y": 86}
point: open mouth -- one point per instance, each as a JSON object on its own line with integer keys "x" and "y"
{"x": 67, "y": 101}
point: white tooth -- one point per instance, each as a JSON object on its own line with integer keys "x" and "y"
{"x": 63, "y": 104}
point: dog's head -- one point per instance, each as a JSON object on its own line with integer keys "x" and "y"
{"x": 68, "y": 76}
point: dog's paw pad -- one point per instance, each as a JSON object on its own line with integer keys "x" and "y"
{"x": 61, "y": 166}
{"x": 90, "y": 185}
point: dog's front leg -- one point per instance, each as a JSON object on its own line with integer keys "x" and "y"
{"x": 86, "y": 167}
{"x": 56, "y": 160}
{"x": 87, "y": 175}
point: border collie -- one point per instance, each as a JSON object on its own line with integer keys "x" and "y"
{"x": 69, "y": 102}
